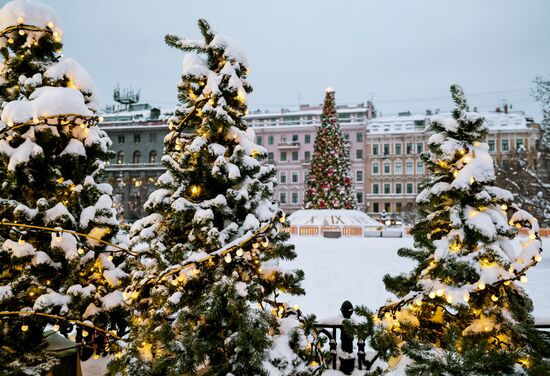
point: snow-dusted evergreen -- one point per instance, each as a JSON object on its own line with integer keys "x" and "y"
{"x": 462, "y": 310}
{"x": 210, "y": 245}
{"x": 329, "y": 180}
{"x": 51, "y": 159}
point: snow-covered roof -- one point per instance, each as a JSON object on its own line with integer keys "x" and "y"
{"x": 331, "y": 217}
{"x": 419, "y": 123}
{"x": 29, "y": 12}
{"x": 141, "y": 115}
{"x": 309, "y": 111}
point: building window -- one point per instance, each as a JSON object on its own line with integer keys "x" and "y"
{"x": 386, "y": 168}
{"x": 307, "y": 156}
{"x": 409, "y": 168}
{"x": 283, "y": 156}
{"x": 375, "y": 149}
{"x": 282, "y": 177}
{"x": 419, "y": 167}
{"x": 294, "y": 138}
{"x": 398, "y": 168}
{"x": 505, "y": 146}
{"x": 136, "y": 157}
{"x": 410, "y": 188}
{"x": 387, "y": 207}
{"x": 282, "y": 197}
{"x": 375, "y": 207}
{"x": 375, "y": 188}
{"x": 387, "y": 188}
{"x": 295, "y": 176}
{"x": 294, "y": 197}
{"x": 419, "y": 148}
{"x": 519, "y": 144}
{"x": 270, "y": 156}
{"x": 346, "y": 136}
{"x": 398, "y": 188}
{"x": 294, "y": 155}
{"x": 359, "y": 154}
{"x": 120, "y": 138}
{"x": 152, "y": 137}
{"x": 375, "y": 168}
{"x": 359, "y": 175}
{"x": 491, "y": 145}
{"x": 359, "y": 136}
{"x": 120, "y": 157}
{"x": 259, "y": 140}
{"x": 137, "y": 138}
{"x": 270, "y": 140}
{"x": 409, "y": 148}
{"x": 398, "y": 149}
{"x": 153, "y": 156}
{"x": 398, "y": 207}
{"x": 307, "y": 139}
{"x": 359, "y": 196}
{"x": 386, "y": 149}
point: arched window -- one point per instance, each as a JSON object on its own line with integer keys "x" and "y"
{"x": 397, "y": 168}
{"x": 153, "y": 156}
{"x": 137, "y": 156}
{"x": 120, "y": 157}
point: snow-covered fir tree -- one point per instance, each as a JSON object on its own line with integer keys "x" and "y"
{"x": 329, "y": 180}
{"x": 462, "y": 310}
{"x": 51, "y": 159}
{"x": 204, "y": 293}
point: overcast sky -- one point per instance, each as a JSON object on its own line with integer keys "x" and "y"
{"x": 403, "y": 54}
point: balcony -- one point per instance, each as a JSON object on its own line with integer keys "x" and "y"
{"x": 294, "y": 145}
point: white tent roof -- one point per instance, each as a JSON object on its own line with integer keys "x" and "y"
{"x": 331, "y": 217}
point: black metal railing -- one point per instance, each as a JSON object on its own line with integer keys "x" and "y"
{"x": 342, "y": 355}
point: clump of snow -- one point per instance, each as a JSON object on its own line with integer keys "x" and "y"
{"x": 21, "y": 154}
{"x": 5, "y": 293}
{"x": 50, "y": 300}
{"x": 74, "y": 148}
{"x": 66, "y": 242}
{"x": 230, "y": 46}
{"x": 78, "y": 79}
{"x": 45, "y": 101}
{"x": 112, "y": 300}
{"x": 29, "y": 12}
{"x": 58, "y": 212}
{"x": 18, "y": 250}
{"x": 42, "y": 258}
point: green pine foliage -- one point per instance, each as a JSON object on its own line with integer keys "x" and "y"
{"x": 329, "y": 179}
{"x": 461, "y": 311}
{"x": 51, "y": 160}
{"x": 215, "y": 201}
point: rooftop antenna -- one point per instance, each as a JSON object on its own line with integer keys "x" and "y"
{"x": 126, "y": 97}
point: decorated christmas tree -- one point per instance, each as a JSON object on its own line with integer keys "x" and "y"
{"x": 329, "y": 179}
{"x": 58, "y": 268}
{"x": 205, "y": 290}
{"x": 462, "y": 310}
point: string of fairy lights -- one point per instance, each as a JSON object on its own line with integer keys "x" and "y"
{"x": 416, "y": 300}
{"x": 255, "y": 240}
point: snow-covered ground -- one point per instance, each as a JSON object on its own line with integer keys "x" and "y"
{"x": 352, "y": 269}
